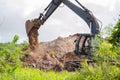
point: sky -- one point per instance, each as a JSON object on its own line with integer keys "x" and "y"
{"x": 63, "y": 22}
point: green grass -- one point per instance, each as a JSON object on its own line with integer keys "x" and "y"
{"x": 34, "y": 74}
{"x": 105, "y": 72}
{"x": 98, "y": 72}
{"x": 11, "y": 66}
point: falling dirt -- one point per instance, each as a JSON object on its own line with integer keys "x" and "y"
{"x": 32, "y": 27}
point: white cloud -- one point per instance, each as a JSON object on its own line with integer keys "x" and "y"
{"x": 62, "y": 23}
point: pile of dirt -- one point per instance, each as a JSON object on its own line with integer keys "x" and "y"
{"x": 54, "y": 55}
{"x": 60, "y": 46}
{"x": 58, "y": 55}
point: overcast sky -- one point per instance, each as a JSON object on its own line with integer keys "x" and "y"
{"x": 63, "y": 22}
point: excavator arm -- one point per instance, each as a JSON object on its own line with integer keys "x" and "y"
{"x": 54, "y": 4}
{"x": 80, "y": 10}
{"x": 85, "y": 14}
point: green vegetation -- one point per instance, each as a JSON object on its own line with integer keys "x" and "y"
{"x": 102, "y": 69}
{"x": 106, "y": 65}
{"x": 34, "y": 74}
{"x": 11, "y": 66}
{"x": 10, "y": 54}
{"x": 115, "y": 35}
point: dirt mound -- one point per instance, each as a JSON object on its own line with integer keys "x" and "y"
{"x": 58, "y": 55}
{"x": 55, "y": 55}
{"x": 60, "y": 46}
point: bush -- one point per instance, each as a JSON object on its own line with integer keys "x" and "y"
{"x": 10, "y": 56}
{"x": 115, "y": 37}
{"x": 103, "y": 68}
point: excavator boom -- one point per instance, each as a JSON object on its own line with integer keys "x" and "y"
{"x": 80, "y": 10}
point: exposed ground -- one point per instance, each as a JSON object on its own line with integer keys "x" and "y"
{"x": 59, "y": 55}
{"x": 53, "y": 55}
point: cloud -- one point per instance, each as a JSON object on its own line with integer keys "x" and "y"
{"x": 63, "y": 22}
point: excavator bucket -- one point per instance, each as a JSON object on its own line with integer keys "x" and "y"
{"x": 32, "y": 27}
{"x": 29, "y": 25}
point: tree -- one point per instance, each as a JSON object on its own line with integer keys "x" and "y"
{"x": 115, "y": 36}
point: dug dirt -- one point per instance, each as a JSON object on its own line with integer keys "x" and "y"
{"x": 55, "y": 55}
{"x": 58, "y": 55}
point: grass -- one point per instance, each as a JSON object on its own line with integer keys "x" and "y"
{"x": 102, "y": 69}
{"x": 34, "y": 74}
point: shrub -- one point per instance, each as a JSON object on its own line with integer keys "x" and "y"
{"x": 10, "y": 55}
{"x": 115, "y": 36}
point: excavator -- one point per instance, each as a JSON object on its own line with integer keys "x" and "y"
{"x": 32, "y": 26}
